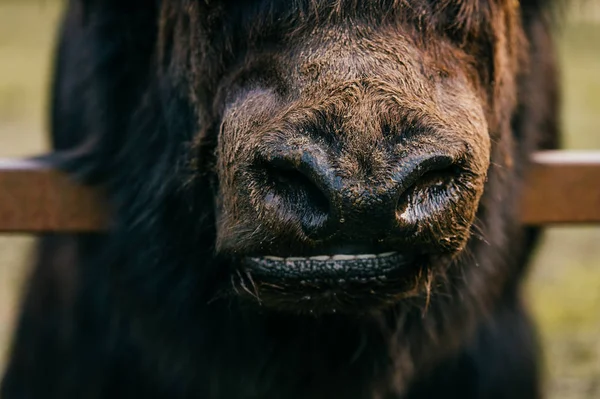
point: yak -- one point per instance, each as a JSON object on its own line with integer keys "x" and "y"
{"x": 308, "y": 199}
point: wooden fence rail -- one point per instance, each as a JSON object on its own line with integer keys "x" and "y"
{"x": 563, "y": 187}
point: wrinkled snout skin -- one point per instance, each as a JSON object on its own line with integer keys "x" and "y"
{"x": 388, "y": 139}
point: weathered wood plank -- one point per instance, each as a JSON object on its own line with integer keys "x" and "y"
{"x": 563, "y": 187}
{"x": 34, "y": 199}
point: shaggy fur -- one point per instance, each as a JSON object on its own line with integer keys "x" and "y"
{"x": 170, "y": 104}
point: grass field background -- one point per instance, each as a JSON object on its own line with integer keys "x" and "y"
{"x": 564, "y": 284}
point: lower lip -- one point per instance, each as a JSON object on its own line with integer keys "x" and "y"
{"x": 341, "y": 268}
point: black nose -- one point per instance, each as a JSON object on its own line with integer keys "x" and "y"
{"x": 306, "y": 186}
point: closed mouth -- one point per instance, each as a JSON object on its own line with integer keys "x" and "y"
{"x": 330, "y": 268}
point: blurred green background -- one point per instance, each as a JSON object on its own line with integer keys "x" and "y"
{"x": 564, "y": 284}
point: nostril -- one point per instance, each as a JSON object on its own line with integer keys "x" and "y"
{"x": 438, "y": 178}
{"x": 432, "y": 187}
{"x": 300, "y": 197}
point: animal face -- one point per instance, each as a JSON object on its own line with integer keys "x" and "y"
{"x": 351, "y": 154}
{"x": 311, "y": 156}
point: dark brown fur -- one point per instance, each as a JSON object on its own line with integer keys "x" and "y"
{"x": 169, "y": 103}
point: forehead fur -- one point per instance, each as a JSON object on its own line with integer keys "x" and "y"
{"x": 466, "y": 14}
{"x": 200, "y": 40}
{"x": 228, "y": 21}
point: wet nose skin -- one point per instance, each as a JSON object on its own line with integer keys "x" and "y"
{"x": 307, "y": 186}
